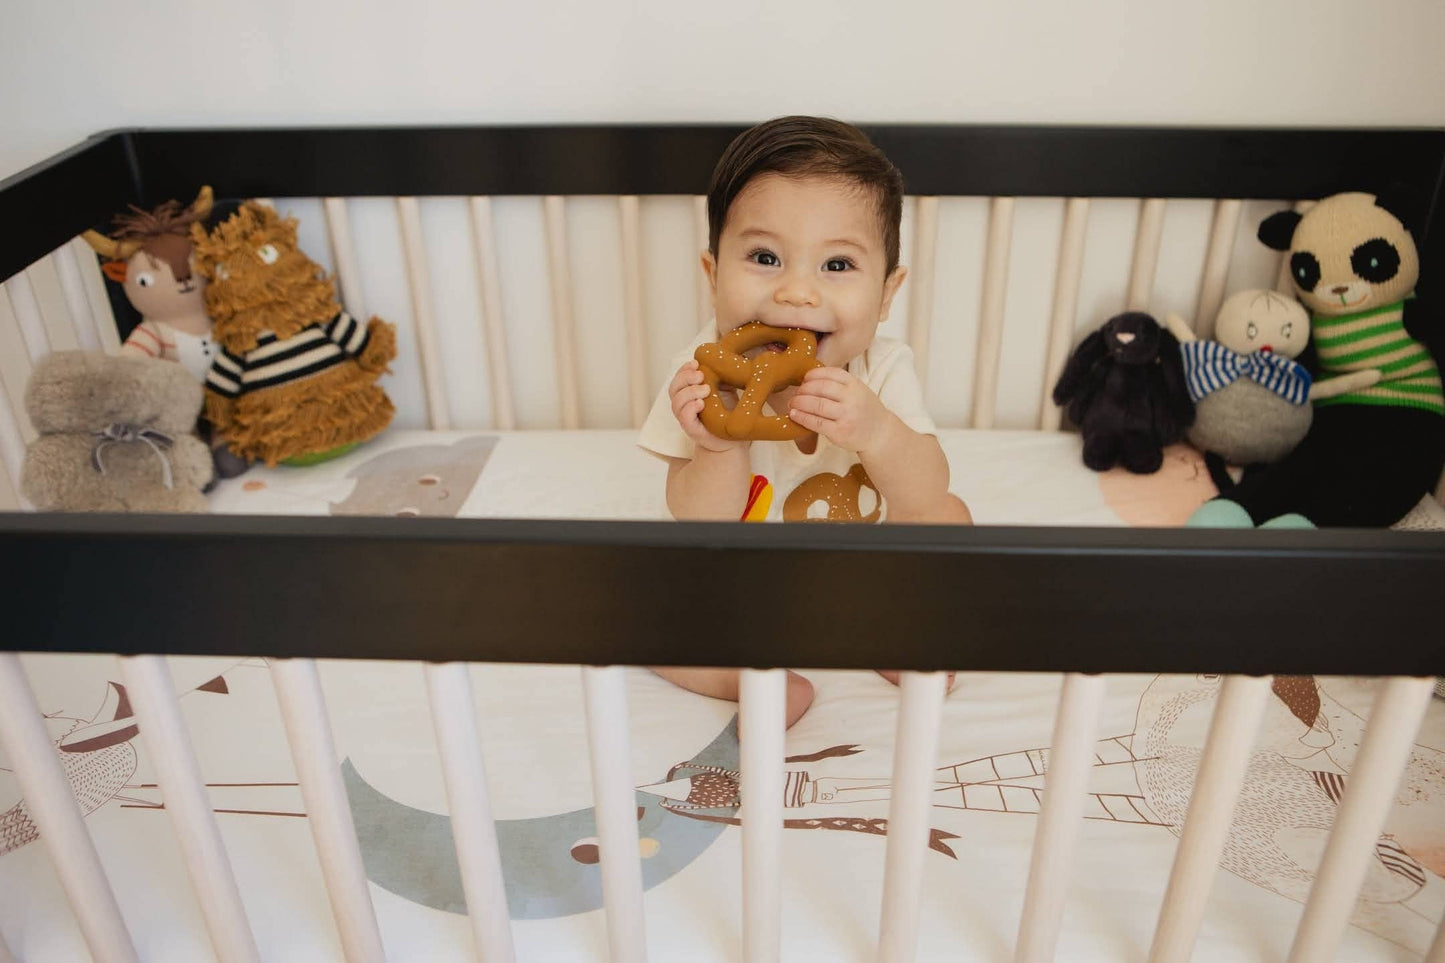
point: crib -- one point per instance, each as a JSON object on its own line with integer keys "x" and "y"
{"x": 1019, "y": 239}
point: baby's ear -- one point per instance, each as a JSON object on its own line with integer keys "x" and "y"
{"x": 709, "y": 268}
{"x": 891, "y": 284}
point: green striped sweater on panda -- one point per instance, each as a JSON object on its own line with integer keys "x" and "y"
{"x": 1376, "y": 339}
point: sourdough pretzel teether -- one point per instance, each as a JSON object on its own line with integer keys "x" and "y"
{"x": 722, "y": 362}
{"x": 841, "y": 495}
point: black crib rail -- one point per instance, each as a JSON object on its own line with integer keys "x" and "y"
{"x": 658, "y": 593}
{"x": 690, "y": 594}
{"x": 82, "y": 187}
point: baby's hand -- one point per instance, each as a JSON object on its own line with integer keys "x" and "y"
{"x": 687, "y": 392}
{"x": 841, "y": 408}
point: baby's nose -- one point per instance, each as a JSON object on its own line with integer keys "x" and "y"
{"x": 797, "y": 293}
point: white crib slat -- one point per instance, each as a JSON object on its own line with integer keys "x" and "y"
{"x": 1061, "y": 816}
{"x": 762, "y": 722}
{"x": 183, "y": 790}
{"x": 604, "y": 691}
{"x": 1066, "y": 304}
{"x": 489, "y": 277}
{"x": 428, "y": 352}
{"x": 921, "y": 281}
{"x": 73, "y": 287}
{"x": 1389, "y": 737}
{"x": 50, "y": 298}
{"x": 343, "y": 255}
{"x": 564, "y": 323}
{"x": 700, "y": 235}
{"x": 915, "y": 763}
{"x": 1232, "y": 733}
{"x": 27, "y": 315}
{"x": 630, "y": 208}
{"x": 12, "y": 441}
{"x": 1216, "y": 264}
{"x": 95, "y": 295}
{"x": 52, "y": 806}
{"x": 455, "y": 718}
{"x": 1146, "y": 254}
{"x": 308, "y": 731}
{"x": 991, "y": 310}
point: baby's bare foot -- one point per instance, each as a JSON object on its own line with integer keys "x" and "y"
{"x": 800, "y": 697}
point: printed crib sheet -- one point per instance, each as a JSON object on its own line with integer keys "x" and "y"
{"x": 994, "y": 750}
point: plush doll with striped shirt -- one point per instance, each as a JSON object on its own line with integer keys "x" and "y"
{"x": 1251, "y": 397}
{"x": 295, "y": 380}
{"x": 1374, "y": 451}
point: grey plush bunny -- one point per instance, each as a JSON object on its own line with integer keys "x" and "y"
{"x": 115, "y": 435}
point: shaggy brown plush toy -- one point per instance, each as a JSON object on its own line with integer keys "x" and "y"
{"x": 114, "y": 436}
{"x": 295, "y": 380}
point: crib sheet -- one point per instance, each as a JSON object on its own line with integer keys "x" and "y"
{"x": 993, "y": 747}
{"x": 1007, "y": 478}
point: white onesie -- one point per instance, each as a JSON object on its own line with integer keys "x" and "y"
{"x": 779, "y": 469}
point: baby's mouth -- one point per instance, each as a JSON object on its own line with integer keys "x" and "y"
{"x": 778, "y": 347}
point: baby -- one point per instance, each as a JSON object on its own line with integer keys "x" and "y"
{"x": 803, "y": 225}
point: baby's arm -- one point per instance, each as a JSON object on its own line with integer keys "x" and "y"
{"x": 907, "y": 467}
{"x": 911, "y": 473}
{"x": 713, "y": 484}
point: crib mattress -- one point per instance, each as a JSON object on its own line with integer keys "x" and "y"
{"x": 1007, "y": 478}
{"x": 993, "y": 746}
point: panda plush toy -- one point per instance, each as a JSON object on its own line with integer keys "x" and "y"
{"x": 1370, "y": 454}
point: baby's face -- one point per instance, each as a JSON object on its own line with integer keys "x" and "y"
{"x": 804, "y": 253}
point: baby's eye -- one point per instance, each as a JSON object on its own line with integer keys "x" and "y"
{"x": 765, "y": 258}
{"x": 837, "y": 264}
{"x": 1252, "y": 330}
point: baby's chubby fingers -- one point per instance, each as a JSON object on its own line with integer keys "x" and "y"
{"x": 690, "y": 397}
{"x": 808, "y": 420}
{"x": 689, "y": 374}
{"x": 821, "y": 388}
{"x": 827, "y": 374}
{"x": 813, "y": 404}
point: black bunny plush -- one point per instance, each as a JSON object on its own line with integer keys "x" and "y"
{"x": 1124, "y": 387}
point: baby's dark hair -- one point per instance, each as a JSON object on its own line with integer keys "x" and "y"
{"x": 807, "y": 147}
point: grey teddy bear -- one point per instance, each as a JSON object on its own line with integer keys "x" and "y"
{"x": 114, "y": 436}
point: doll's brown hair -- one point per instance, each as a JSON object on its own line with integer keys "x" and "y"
{"x": 801, "y": 146}
{"x": 163, "y": 234}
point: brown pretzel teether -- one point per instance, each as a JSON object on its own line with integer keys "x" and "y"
{"x": 722, "y": 362}
{"x": 839, "y": 492}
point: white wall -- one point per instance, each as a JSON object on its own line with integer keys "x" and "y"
{"x": 70, "y": 68}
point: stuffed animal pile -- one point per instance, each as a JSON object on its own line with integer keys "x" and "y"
{"x": 1374, "y": 449}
